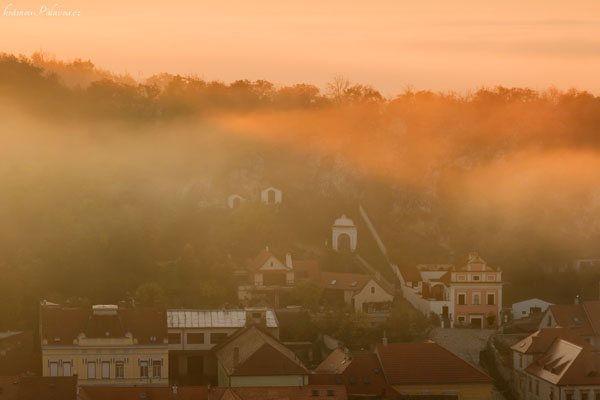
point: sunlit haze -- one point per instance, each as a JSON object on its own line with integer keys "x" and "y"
{"x": 433, "y": 44}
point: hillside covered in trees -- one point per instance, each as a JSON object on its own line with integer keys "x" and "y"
{"x": 110, "y": 186}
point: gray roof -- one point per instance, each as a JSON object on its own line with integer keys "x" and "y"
{"x": 213, "y": 319}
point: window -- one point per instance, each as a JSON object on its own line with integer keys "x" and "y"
{"x": 372, "y": 289}
{"x": 461, "y": 320}
{"x": 91, "y": 370}
{"x": 143, "y": 369}
{"x": 67, "y": 368}
{"x": 54, "y": 368}
{"x": 529, "y": 384}
{"x": 462, "y": 299}
{"x": 174, "y": 338}
{"x": 119, "y": 370}
{"x": 315, "y": 393}
{"x": 551, "y": 393}
{"x": 585, "y": 396}
{"x": 195, "y": 338}
{"x": 598, "y": 396}
{"x": 367, "y": 379}
{"x": 476, "y": 277}
{"x": 339, "y": 380}
{"x": 105, "y": 370}
{"x": 330, "y": 392}
{"x": 537, "y": 388}
{"x": 352, "y": 380}
{"x": 491, "y": 299}
{"x": 549, "y": 321}
{"x": 217, "y": 337}
{"x": 520, "y": 360}
{"x": 156, "y": 368}
{"x": 476, "y": 299}
{"x": 569, "y": 396}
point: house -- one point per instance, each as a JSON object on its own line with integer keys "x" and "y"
{"x": 555, "y": 363}
{"x": 360, "y": 373}
{"x": 252, "y": 357}
{"x": 271, "y": 278}
{"x": 428, "y": 368}
{"x": 38, "y": 388}
{"x": 344, "y": 234}
{"x": 194, "y": 333}
{"x": 312, "y": 392}
{"x": 468, "y": 293}
{"x": 105, "y": 344}
{"x": 271, "y": 195}
{"x": 365, "y": 293}
{"x": 584, "y": 317}
{"x": 525, "y": 308}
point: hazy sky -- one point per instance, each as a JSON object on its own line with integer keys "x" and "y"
{"x": 435, "y": 44}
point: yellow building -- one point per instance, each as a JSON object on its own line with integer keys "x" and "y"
{"x": 105, "y": 344}
{"x": 428, "y": 368}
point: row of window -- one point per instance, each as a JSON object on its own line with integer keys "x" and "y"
{"x": 197, "y": 338}
{"x": 475, "y": 277}
{"x": 119, "y": 369}
{"x": 476, "y": 299}
{"x": 535, "y": 385}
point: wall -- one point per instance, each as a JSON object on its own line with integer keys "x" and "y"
{"x": 130, "y": 355}
{"x": 206, "y": 345}
{"x": 464, "y": 391}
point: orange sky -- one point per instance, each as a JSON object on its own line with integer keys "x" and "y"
{"x": 428, "y": 44}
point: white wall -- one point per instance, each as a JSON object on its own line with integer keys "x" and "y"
{"x": 522, "y": 309}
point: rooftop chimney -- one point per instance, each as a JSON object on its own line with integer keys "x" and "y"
{"x": 577, "y": 299}
{"x": 288, "y": 259}
{"x": 384, "y": 340}
{"x": 174, "y": 389}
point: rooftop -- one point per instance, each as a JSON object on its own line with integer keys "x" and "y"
{"x": 426, "y": 363}
{"x": 214, "y": 318}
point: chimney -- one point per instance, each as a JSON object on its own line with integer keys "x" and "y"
{"x": 236, "y": 357}
{"x": 288, "y": 259}
{"x": 384, "y": 340}
{"x": 174, "y": 390}
{"x": 577, "y": 299}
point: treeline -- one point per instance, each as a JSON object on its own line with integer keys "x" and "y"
{"x": 114, "y": 189}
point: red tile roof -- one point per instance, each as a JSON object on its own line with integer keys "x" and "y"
{"x": 567, "y": 364}
{"x": 426, "y": 363}
{"x": 410, "y": 273}
{"x": 259, "y": 354}
{"x": 360, "y": 372}
{"x": 269, "y": 361}
{"x": 62, "y": 325}
{"x": 572, "y": 316}
{"x": 38, "y": 388}
{"x": 540, "y": 341}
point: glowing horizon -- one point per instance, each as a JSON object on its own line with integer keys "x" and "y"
{"x": 391, "y": 45}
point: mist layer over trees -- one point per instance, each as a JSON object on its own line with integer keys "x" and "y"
{"x": 112, "y": 188}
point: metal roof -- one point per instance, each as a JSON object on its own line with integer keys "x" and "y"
{"x": 214, "y": 318}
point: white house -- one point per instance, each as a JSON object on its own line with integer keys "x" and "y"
{"x": 344, "y": 234}
{"x": 555, "y": 363}
{"x": 523, "y": 309}
{"x": 271, "y": 195}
